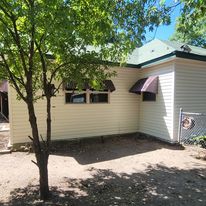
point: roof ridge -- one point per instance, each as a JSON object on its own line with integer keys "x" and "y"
{"x": 182, "y": 43}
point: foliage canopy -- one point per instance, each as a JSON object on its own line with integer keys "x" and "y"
{"x": 30, "y": 30}
{"x": 191, "y": 25}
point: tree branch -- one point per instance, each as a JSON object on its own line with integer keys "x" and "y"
{"x": 43, "y": 66}
{"x": 20, "y": 79}
{"x": 34, "y": 163}
{"x": 42, "y": 139}
{"x": 56, "y": 70}
{"x": 31, "y": 49}
{"x": 7, "y": 27}
{"x": 57, "y": 89}
{"x": 44, "y": 36}
{"x": 31, "y": 138}
{"x": 18, "y": 42}
{"x": 6, "y": 10}
{"x": 15, "y": 35}
{"x": 12, "y": 78}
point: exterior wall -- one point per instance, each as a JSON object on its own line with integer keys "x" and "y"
{"x": 190, "y": 88}
{"x": 81, "y": 120}
{"x": 156, "y": 118}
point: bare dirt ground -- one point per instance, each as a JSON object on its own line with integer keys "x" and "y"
{"x": 123, "y": 172}
{"x": 4, "y": 140}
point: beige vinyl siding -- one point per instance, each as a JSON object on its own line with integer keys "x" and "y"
{"x": 156, "y": 117}
{"x": 82, "y": 120}
{"x": 190, "y": 88}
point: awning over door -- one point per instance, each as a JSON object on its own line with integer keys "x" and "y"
{"x": 149, "y": 84}
{"x": 107, "y": 85}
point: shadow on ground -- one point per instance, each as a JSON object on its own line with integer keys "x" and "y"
{"x": 157, "y": 186}
{"x": 94, "y": 150}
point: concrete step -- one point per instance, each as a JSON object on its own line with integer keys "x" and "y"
{"x": 5, "y": 151}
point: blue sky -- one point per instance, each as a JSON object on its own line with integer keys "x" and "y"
{"x": 164, "y": 32}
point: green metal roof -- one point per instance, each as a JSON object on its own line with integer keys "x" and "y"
{"x": 157, "y": 50}
{"x": 177, "y": 47}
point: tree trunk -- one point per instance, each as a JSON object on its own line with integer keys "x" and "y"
{"x": 41, "y": 153}
{"x": 42, "y": 161}
{"x": 48, "y": 98}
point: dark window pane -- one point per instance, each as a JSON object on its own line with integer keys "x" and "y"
{"x": 75, "y": 98}
{"x": 147, "y": 96}
{"x": 99, "y": 98}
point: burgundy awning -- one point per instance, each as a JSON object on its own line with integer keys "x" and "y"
{"x": 107, "y": 85}
{"x": 149, "y": 84}
{"x": 4, "y": 86}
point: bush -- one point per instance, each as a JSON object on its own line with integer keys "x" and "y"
{"x": 200, "y": 140}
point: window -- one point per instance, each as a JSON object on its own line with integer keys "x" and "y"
{"x": 99, "y": 98}
{"x": 148, "y": 97}
{"x": 74, "y": 97}
{"x": 88, "y": 95}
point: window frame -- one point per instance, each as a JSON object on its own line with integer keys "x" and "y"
{"x": 87, "y": 92}
{"x": 74, "y": 91}
{"x": 100, "y": 92}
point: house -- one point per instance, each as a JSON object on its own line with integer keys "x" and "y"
{"x": 146, "y": 95}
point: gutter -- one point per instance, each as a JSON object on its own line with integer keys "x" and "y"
{"x": 186, "y": 55}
